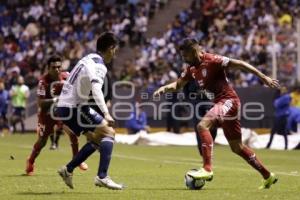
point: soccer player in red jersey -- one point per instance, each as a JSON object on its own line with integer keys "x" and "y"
{"x": 49, "y": 87}
{"x": 209, "y": 71}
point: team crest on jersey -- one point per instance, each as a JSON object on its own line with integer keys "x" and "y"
{"x": 194, "y": 75}
{"x": 204, "y": 72}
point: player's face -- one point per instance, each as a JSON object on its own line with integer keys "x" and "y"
{"x": 54, "y": 69}
{"x": 190, "y": 57}
{"x": 111, "y": 53}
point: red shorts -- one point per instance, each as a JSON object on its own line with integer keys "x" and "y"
{"x": 226, "y": 113}
{"x": 46, "y": 125}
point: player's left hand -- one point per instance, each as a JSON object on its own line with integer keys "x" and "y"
{"x": 272, "y": 83}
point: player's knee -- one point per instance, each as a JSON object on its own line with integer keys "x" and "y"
{"x": 237, "y": 149}
{"x": 108, "y": 139}
{"x": 203, "y": 125}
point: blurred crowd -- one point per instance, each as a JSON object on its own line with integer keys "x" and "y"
{"x": 31, "y": 30}
{"x": 239, "y": 29}
{"x": 250, "y": 30}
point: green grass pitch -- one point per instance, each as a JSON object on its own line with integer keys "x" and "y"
{"x": 148, "y": 172}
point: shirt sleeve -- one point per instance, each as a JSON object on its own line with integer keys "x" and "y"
{"x": 186, "y": 75}
{"x": 96, "y": 74}
{"x": 219, "y": 60}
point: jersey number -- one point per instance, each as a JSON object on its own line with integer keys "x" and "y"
{"x": 74, "y": 75}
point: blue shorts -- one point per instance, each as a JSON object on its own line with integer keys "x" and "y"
{"x": 80, "y": 119}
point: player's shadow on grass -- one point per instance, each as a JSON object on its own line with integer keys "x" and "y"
{"x": 24, "y": 175}
{"x": 50, "y": 193}
{"x": 149, "y": 189}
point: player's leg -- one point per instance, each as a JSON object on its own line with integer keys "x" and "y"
{"x": 74, "y": 144}
{"x": 22, "y": 119}
{"x": 105, "y": 135}
{"x": 13, "y": 122}
{"x": 274, "y": 130}
{"x": 213, "y": 130}
{"x": 1, "y": 125}
{"x": 43, "y": 132}
{"x": 232, "y": 131}
{"x": 52, "y": 138}
{"x": 203, "y": 129}
{"x": 284, "y": 131}
{"x": 58, "y": 133}
{"x": 96, "y": 140}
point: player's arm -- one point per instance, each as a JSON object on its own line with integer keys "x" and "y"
{"x": 239, "y": 64}
{"x": 172, "y": 87}
{"x": 176, "y": 85}
{"x": 46, "y": 103}
{"x": 43, "y": 102}
{"x": 97, "y": 75}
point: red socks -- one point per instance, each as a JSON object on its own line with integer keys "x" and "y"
{"x": 251, "y": 158}
{"x": 207, "y": 149}
{"x": 35, "y": 152}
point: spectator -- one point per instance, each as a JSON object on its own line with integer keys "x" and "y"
{"x": 222, "y": 31}
{"x": 137, "y": 121}
{"x": 296, "y": 97}
{"x": 282, "y": 112}
{"x": 19, "y": 95}
{"x": 293, "y": 122}
{"x": 141, "y": 24}
{"x": 71, "y": 26}
{"x": 4, "y": 97}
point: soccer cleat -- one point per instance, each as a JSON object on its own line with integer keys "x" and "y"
{"x": 53, "y": 147}
{"x": 83, "y": 166}
{"x": 66, "y": 176}
{"x": 267, "y": 183}
{"x": 201, "y": 174}
{"x": 29, "y": 168}
{"x": 108, "y": 183}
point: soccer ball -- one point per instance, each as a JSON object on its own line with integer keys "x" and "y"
{"x": 193, "y": 184}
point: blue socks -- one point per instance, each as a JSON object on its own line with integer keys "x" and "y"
{"x": 105, "y": 148}
{"x": 87, "y": 150}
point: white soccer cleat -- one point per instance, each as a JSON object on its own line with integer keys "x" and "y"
{"x": 108, "y": 183}
{"x": 66, "y": 176}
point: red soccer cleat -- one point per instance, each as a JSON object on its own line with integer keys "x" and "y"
{"x": 83, "y": 166}
{"x": 29, "y": 168}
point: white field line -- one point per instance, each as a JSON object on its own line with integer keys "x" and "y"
{"x": 182, "y": 162}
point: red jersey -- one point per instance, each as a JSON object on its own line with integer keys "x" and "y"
{"x": 48, "y": 89}
{"x": 211, "y": 77}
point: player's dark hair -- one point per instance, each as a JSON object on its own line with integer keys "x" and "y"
{"x": 187, "y": 44}
{"x": 54, "y": 58}
{"x": 106, "y": 40}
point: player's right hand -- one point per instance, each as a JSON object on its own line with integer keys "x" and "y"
{"x": 159, "y": 91}
{"x": 109, "y": 119}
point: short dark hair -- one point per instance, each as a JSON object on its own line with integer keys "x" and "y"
{"x": 187, "y": 44}
{"x": 54, "y": 58}
{"x": 106, "y": 40}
